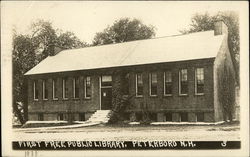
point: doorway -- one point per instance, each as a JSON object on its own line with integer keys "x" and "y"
{"x": 106, "y": 98}
{"x": 106, "y": 92}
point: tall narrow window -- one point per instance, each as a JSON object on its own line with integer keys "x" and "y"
{"x": 153, "y": 84}
{"x": 87, "y": 86}
{"x": 139, "y": 84}
{"x": 168, "y": 83}
{"x": 125, "y": 84}
{"x": 54, "y": 89}
{"x": 65, "y": 88}
{"x": 199, "y": 81}
{"x": 45, "y": 90}
{"x": 183, "y": 82}
{"x": 35, "y": 90}
{"x": 76, "y": 87}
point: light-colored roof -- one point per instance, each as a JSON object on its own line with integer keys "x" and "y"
{"x": 164, "y": 49}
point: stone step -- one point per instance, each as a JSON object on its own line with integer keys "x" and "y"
{"x": 100, "y": 116}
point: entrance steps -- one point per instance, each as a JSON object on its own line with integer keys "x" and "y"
{"x": 101, "y": 116}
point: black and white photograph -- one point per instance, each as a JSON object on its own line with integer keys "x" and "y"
{"x": 124, "y": 78}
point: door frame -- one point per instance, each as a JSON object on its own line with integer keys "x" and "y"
{"x": 100, "y": 90}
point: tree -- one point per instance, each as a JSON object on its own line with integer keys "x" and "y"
{"x": 23, "y": 59}
{"x": 69, "y": 40}
{"x": 204, "y": 22}
{"x": 124, "y": 30}
{"x": 28, "y": 50}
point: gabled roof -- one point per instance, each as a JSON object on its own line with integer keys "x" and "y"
{"x": 199, "y": 45}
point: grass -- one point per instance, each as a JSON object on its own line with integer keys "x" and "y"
{"x": 37, "y": 125}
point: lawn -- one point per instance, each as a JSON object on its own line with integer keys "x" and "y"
{"x": 222, "y": 132}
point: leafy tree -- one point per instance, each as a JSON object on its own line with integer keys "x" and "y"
{"x": 69, "y": 40}
{"x": 43, "y": 38}
{"x": 204, "y": 22}
{"x": 124, "y": 30}
{"x": 23, "y": 59}
{"x": 28, "y": 51}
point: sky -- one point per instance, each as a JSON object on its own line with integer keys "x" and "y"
{"x": 85, "y": 18}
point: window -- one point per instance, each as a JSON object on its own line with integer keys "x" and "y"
{"x": 183, "y": 117}
{"x": 54, "y": 89}
{"x": 125, "y": 84}
{"x": 81, "y": 116}
{"x": 168, "y": 83}
{"x": 76, "y": 87}
{"x": 200, "y": 117}
{"x": 35, "y": 90}
{"x": 40, "y": 117}
{"x": 139, "y": 84}
{"x": 168, "y": 117}
{"x": 183, "y": 83}
{"x": 87, "y": 87}
{"x": 153, "y": 84}
{"x": 65, "y": 88}
{"x": 45, "y": 90}
{"x": 106, "y": 81}
{"x": 60, "y": 116}
{"x": 199, "y": 81}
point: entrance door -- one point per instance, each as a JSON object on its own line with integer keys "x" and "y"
{"x": 106, "y": 98}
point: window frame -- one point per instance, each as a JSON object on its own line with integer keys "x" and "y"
{"x": 74, "y": 87}
{"x": 167, "y": 82}
{"x": 35, "y": 83}
{"x": 85, "y": 87}
{"x": 180, "y": 74}
{"x": 44, "y": 89}
{"x": 150, "y": 84}
{"x": 54, "y": 86}
{"x": 195, "y": 81}
{"x": 136, "y": 85}
{"x": 64, "y": 85}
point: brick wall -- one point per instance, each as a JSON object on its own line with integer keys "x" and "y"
{"x": 160, "y": 104}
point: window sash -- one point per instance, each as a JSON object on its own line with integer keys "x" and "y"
{"x": 45, "y": 90}
{"x": 199, "y": 81}
{"x": 76, "y": 87}
{"x": 153, "y": 84}
{"x": 167, "y": 83}
{"x": 35, "y": 90}
{"x": 106, "y": 81}
{"x": 183, "y": 82}
{"x": 139, "y": 85}
{"x": 64, "y": 88}
{"x": 87, "y": 87}
{"x": 54, "y": 89}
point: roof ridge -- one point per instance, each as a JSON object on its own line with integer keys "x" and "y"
{"x": 167, "y": 36}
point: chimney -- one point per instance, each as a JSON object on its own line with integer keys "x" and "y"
{"x": 56, "y": 50}
{"x": 220, "y": 28}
